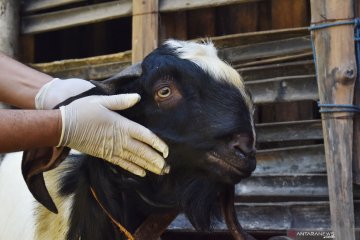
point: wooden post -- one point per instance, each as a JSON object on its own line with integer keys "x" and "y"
{"x": 356, "y": 148}
{"x": 9, "y": 29}
{"x": 336, "y": 74}
{"x": 144, "y": 28}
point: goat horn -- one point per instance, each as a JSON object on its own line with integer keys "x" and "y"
{"x": 229, "y": 213}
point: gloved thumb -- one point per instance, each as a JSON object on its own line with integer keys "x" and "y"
{"x": 119, "y": 102}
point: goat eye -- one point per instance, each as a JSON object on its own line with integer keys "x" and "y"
{"x": 164, "y": 92}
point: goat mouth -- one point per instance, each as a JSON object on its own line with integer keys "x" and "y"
{"x": 236, "y": 167}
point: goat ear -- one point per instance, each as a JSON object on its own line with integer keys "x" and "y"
{"x": 34, "y": 163}
{"x": 113, "y": 84}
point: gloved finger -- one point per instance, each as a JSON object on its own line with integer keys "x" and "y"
{"x": 145, "y": 152}
{"x": 144, "y": 135}
{"x": 130, "y": 157}
{"x": 57, "y": 91}
{"x": 119, "y": 102}
{"x": 128, "y": 166}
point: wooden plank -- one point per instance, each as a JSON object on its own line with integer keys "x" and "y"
{"x": 286, "y": 14}
{"x": 264, "y": 50}
{"x": 291, "y": 88}
{"x": 173, "y": 25}
{"x": 301, "y": 159}
{"x": 237, "y": 19}
{"x": 201, "y": 22}
{"x": 144, "y": 28}
{"x": 285, "y": 187}
{"x": 294, "y": 186}
{"x": 336, "y": 68}
{"x": 294, "y": 57}
{"x": 270, "y": 217}
{"x": 239, "y": 39}
{"x": 305, "y": 67}
{"x": 37, "y": 5}
{"x": 95, "y": 68}
{"x": 75, "y": 17}
{"x": 181, "y": 5}
{"x": 105, "y": 11}
{"x": 289, "y": 131}
{"x": 356, "y": 145}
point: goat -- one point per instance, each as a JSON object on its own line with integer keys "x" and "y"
{"x": 198, "y": 105}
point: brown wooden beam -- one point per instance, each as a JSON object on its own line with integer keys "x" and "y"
{"x": 145, "y": 28}
{"x": 336, "y": 68}
{"x": 356, "y": 148}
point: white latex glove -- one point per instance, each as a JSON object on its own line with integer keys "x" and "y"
{"x": 90, "y": 127}
{"x": 57, "y": 91}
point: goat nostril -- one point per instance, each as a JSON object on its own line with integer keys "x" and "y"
{"x": 242, "y": 144}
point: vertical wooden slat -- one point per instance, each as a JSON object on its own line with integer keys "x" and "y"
{"x": 173, "y": 25}
{"x": 237, "y": 18}
{"x": 356, "y": 147}
{"x": 201, "y": 23}
{"x": 336, "y": 73}
{"x": 27, "y": 48}
{"x": 145, "y": 28}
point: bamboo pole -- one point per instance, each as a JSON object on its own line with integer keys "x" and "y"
{"x": 336, "y": 73}
{"x": 144, "y": 28}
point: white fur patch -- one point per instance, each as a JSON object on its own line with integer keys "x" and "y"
{"x": 205, "y": 56}
{"x": 17, "y": 220}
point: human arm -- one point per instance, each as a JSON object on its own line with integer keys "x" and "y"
{"x": 28, "y": 129}
{"x": 19, "y": 83}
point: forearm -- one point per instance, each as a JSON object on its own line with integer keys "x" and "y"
{"x": 27, "y": 129}
{"x": 19, "y": 83}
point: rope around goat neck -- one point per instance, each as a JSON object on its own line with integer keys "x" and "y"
{"x": 121, "y": 227}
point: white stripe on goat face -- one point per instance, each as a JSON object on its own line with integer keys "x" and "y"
{"x": 205, "y": 56}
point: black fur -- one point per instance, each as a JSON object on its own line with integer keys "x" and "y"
{"x": 208, "y": 115}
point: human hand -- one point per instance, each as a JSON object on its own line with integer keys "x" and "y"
{"x": 57, "y": 91}
{"x": 89, "y": 126}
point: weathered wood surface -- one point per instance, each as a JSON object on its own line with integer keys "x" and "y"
{"x": 299, "y": 159}
{"x": 336, "y": 67}
{"x": 37, "y": 5}
{"x": 95, "y": 68}
{"x": 145, "y": 28}
{"x": 285, "y": 187}
{"x": 9, "y": 22}
{"x": 258, "y": 51}
{"x": 232, "y": 40}
{"x": 274, "y": 217}
{"x": 67, "y": 68}
{"x": 356, "y": 147}
{"x": 289, "y": 131}
{"x": 181, "y": 5}
{"x": 105, "y": 11}
{"x": 294, "y": 57}
{"x": 297, "y": 68}
{"x": 290, "y": 88}
{"x": 74, "y": 17}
